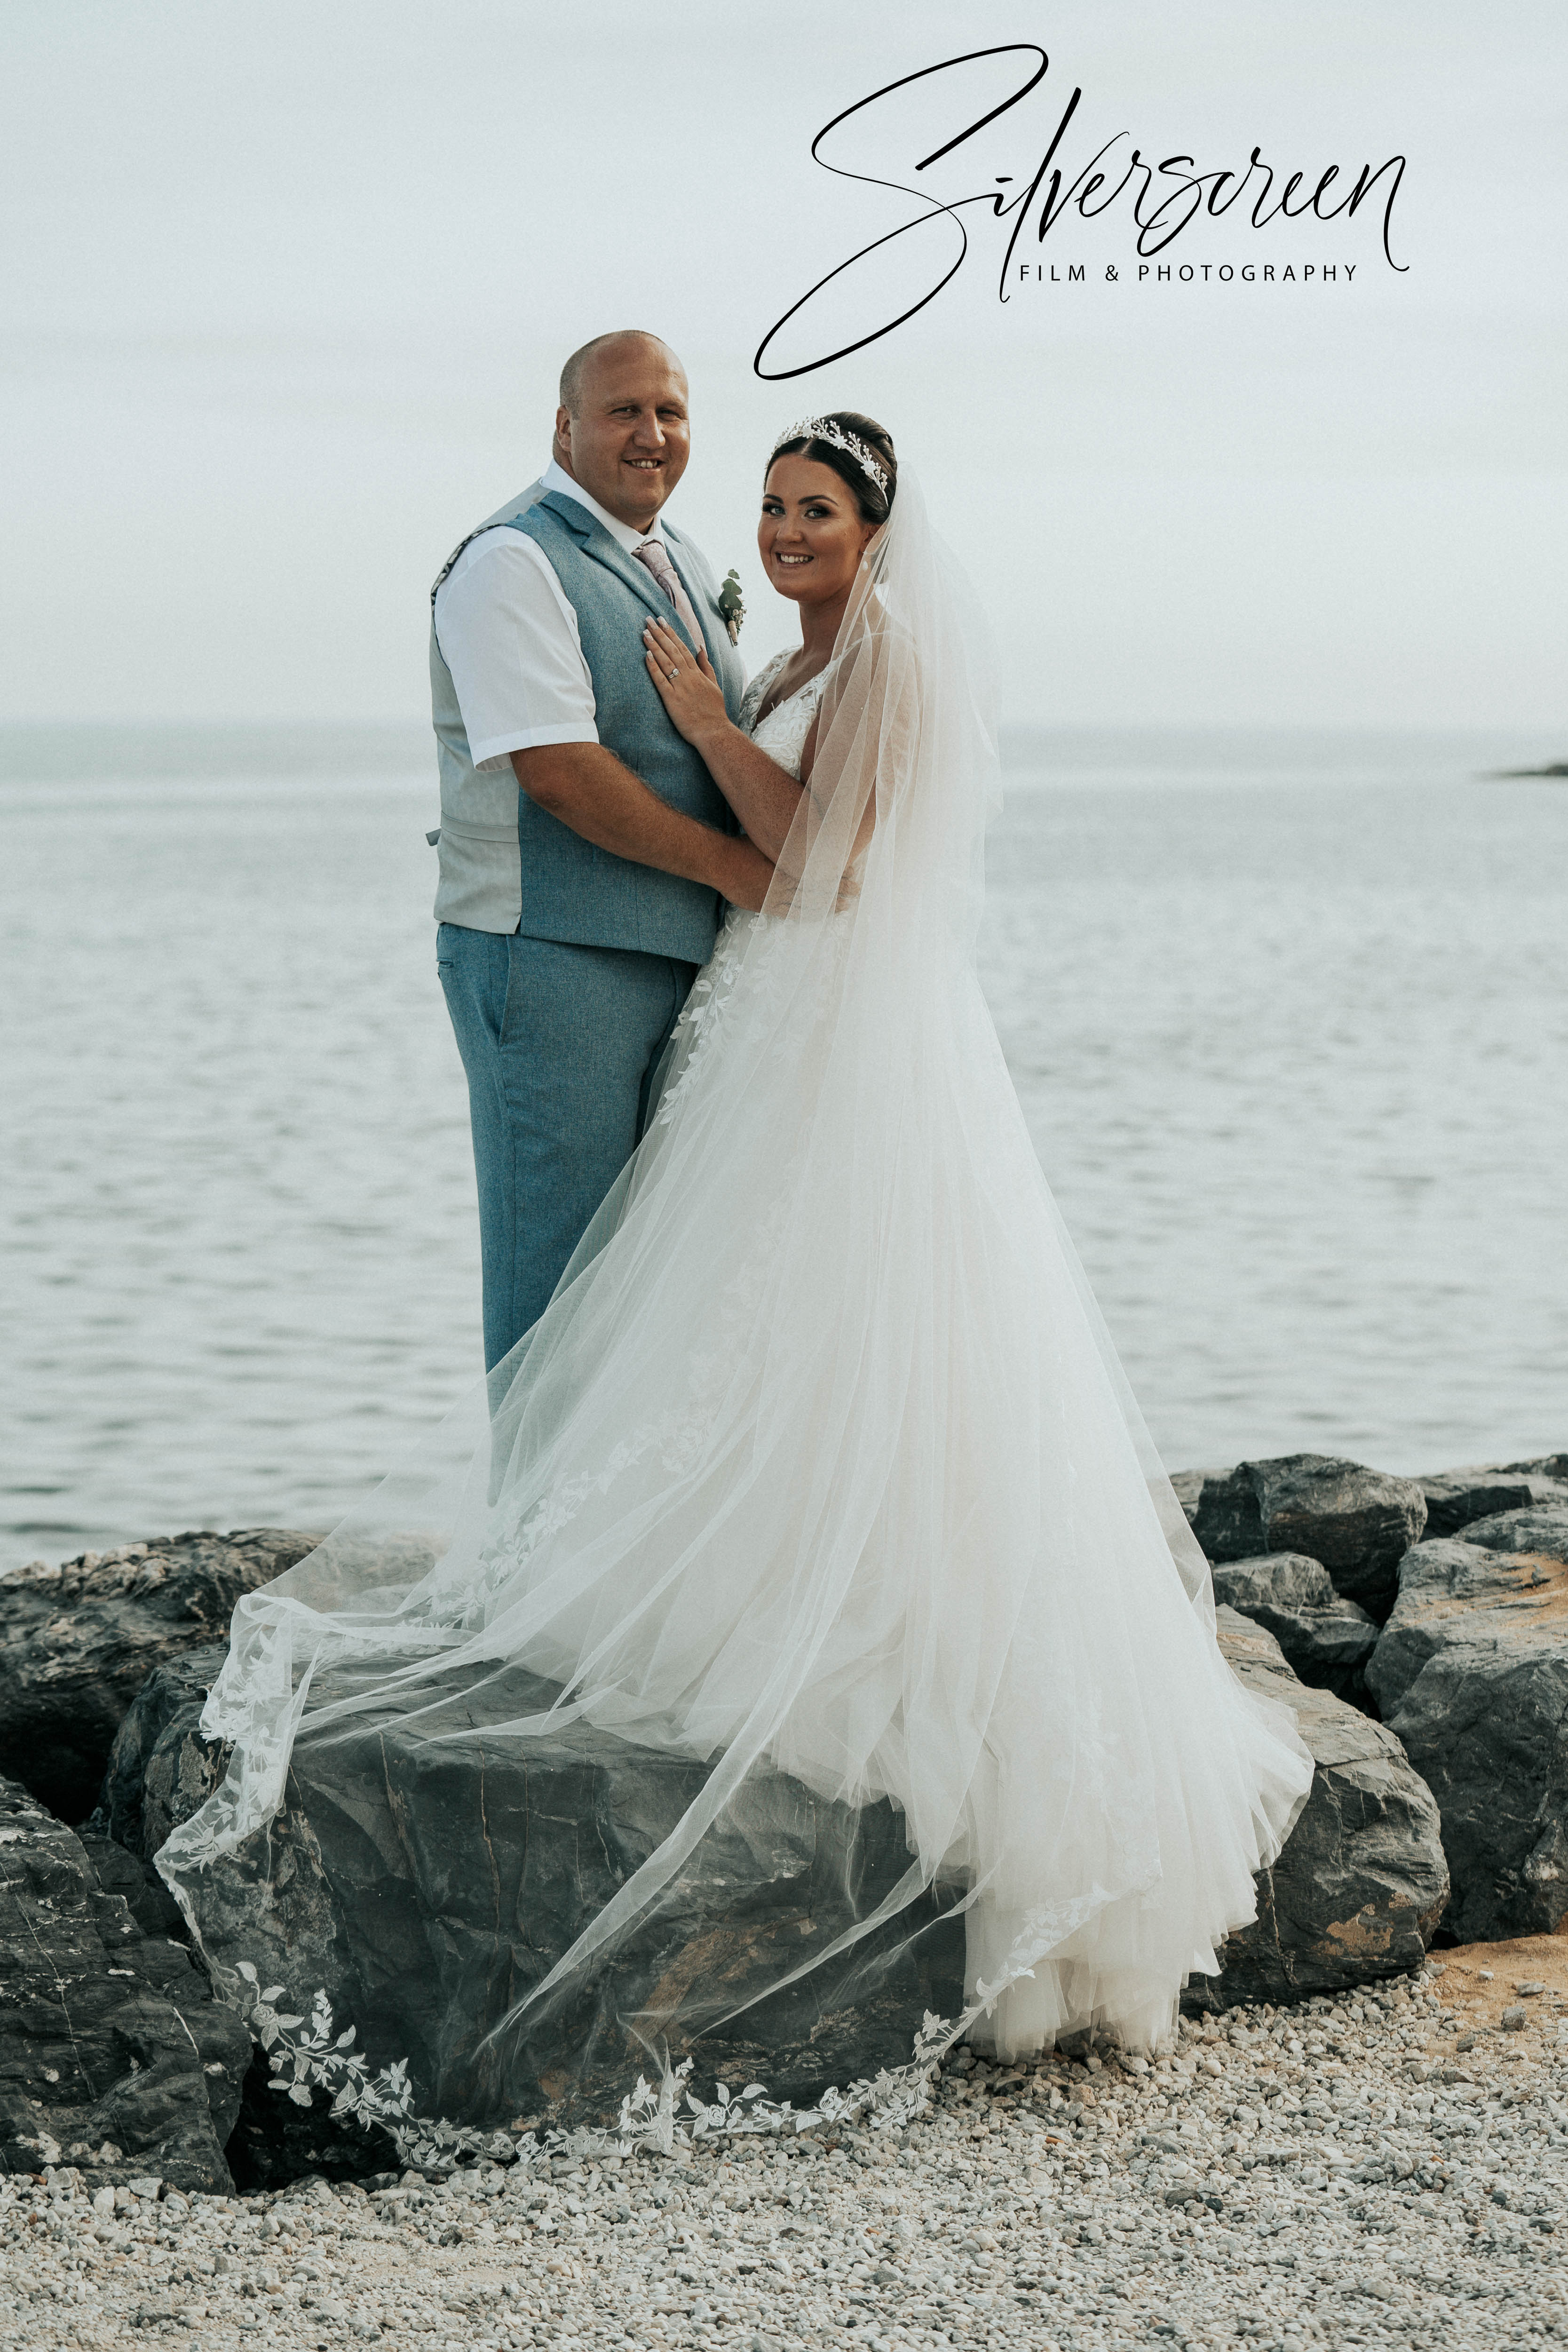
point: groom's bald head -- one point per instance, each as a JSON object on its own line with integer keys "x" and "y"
{"x": 621, "y": 345}
{"x": 622, "y": 429}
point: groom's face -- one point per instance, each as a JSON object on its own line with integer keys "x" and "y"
{"x": 629, "y": 439}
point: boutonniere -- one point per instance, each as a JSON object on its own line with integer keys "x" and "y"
{"x": 731, "y": 610}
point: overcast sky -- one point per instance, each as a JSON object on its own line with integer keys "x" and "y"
{"x": 287, "y": 290}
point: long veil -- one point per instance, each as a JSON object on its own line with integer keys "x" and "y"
{"x": 819, "y": 1474}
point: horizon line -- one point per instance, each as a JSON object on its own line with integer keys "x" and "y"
{"x": 420, "y": 724}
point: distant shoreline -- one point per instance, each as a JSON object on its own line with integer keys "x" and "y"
{"x": 41, "y": 753}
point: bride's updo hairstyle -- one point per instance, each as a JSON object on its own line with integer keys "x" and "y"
{"x": 874, "y": 501}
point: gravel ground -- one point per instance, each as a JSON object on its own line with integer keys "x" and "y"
{"x": 1376, "y": 2169}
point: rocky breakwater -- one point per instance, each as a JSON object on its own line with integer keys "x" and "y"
{"x": 1357, "y": 1523}
{"x": 77, "y": 1642}
{"x": 1310, "y": 1546}
{"x": 1440, "y": 1603}
{"x": 424, "y": 1886}
{"x": 422, "y": 1921}
{"x": 1471, "y": 1672}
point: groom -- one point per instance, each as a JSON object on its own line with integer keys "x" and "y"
{"x": 585, "y": 850}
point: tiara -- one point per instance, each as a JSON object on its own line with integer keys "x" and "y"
{"x": 826, "y": 428}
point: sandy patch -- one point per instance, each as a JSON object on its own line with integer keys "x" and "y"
{"x": 1482, "y": 1981}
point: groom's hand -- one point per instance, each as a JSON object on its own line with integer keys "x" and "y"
{"x": 587, "y": 788}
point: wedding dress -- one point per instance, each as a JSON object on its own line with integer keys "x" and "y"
{"x": 820, "y": 1461}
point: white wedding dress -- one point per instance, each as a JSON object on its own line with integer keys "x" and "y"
{"x": 820, "y": 1461}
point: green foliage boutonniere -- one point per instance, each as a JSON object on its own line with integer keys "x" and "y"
{"x": 731, "y": 610}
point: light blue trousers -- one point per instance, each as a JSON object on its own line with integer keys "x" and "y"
{"x": 560, "y": 1044}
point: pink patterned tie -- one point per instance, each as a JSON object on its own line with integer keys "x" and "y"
{"x": 656, "y": 556}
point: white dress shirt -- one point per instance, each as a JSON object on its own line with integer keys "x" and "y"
{"x": 510, "y": 639}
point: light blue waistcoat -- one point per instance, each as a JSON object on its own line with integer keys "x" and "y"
{"x": 505, "y": 864}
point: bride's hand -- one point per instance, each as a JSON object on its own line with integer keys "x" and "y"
{"x": 687, "y": 687}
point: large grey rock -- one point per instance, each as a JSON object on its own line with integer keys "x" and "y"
{"x": 1540, "y": 1529}
{"x": 1471, "y": 1672}
{"x": 425, "y": 1887}
{"x": 1358, "y": 1522}
{"x": 137, "y": 1885}
{"x": 1221, "y": 1506}
{"x": 161, "y": 1770}
{"x": 1456, "y": 1497}
{"x": 160, "y": 1767}
{"x": 113, "y": 2054}
{"x": 1326, "y": 1639}
{"x": 76, "y": 1643}
{"x": 1362, "y": 1881}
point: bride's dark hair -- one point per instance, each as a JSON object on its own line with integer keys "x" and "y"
{"x": 874, "y": 503}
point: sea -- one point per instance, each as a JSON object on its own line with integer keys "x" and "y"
{"x": 1287, "y": 1010}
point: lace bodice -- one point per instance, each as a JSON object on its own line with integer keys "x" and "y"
{"x": 782, "y": 734}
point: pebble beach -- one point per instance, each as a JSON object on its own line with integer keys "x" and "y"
{"x": 1379, "y": 2169}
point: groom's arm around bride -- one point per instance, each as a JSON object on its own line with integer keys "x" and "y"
{"x": 585, "y": 850}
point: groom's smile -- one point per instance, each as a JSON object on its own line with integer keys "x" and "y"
{"x": 622, "y": 429}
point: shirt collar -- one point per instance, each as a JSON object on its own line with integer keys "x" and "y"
{"x": 556, "y": 477}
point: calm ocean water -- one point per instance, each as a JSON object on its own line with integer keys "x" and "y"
{"x": 1286, "y": 1011}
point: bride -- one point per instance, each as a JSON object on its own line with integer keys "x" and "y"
{"x": 820, "y": 1461}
